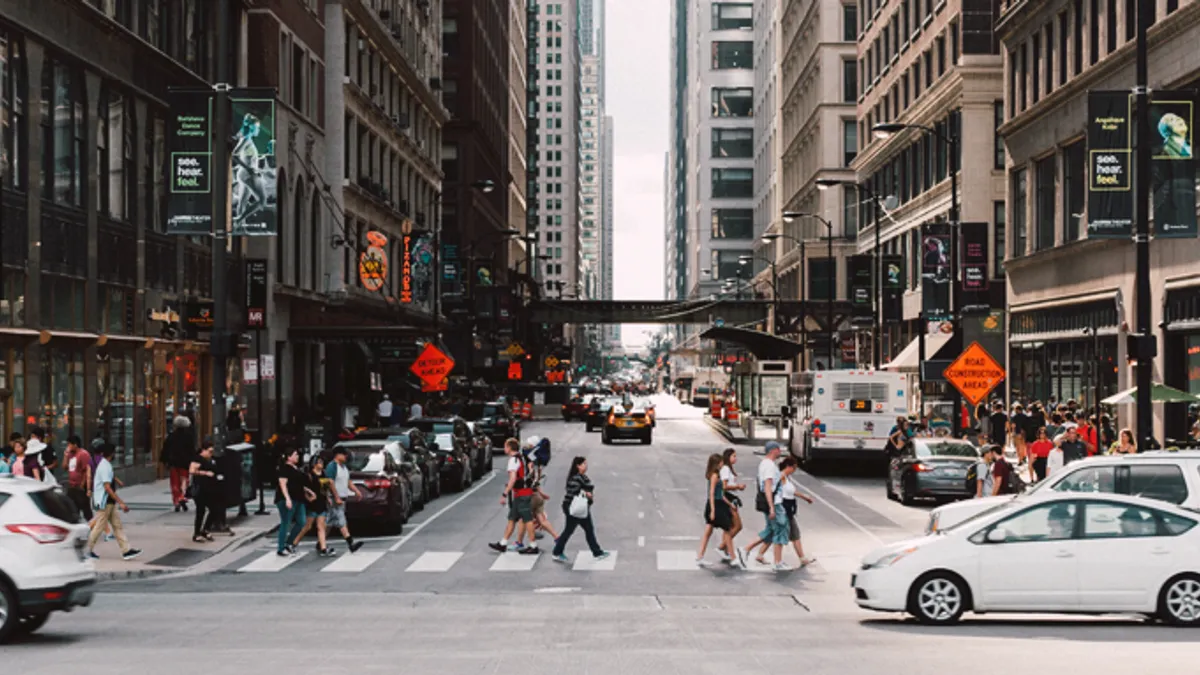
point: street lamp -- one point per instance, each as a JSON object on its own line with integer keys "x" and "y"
{"x": 774, "y": 286}
{"x": 884, "y": 131}
{"x": 789, "y": 216}
{"x": 876, "y": 261}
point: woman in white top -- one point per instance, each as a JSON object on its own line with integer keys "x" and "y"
{"x": 729, "y": 479}
{"x": 788, "y": 494}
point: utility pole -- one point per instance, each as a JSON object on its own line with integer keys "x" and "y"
{"x": 221, "y": 341}
{"x": 1141, "y": 172}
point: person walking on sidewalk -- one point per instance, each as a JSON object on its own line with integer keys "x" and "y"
{"x": 729, "y": 480}
{"x": 316, "y": 501}
{"x": 39, "y": 451}
{"x": 106, "y": 502}
{"x": 768, "y": 486}
{"x": 578, "y": 484}
{"x": 518, "y": 494}
{"x": 289, "y": 499}
{"x": 79, "y": 476}
{"x": 204, "y": 476}
{"x": 341, "y": 490}
{"x": 179, "y": 452}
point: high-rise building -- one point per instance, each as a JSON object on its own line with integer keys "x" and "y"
{"x": 675, "y": 194}
{"x": 612, "y": 332}
{"x": 765, "y": 140}
{"x": 591, "y": 164}
{"x": 521, "y": 252}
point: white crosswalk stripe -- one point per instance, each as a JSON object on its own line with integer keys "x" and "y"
{"x": 514, "y": 562}
{"x": 353, "y": 562}
{"x": 435, "y": 561}
{"x": 584, "y": 562}
{"x": 271, "y": 562}
{"x": 676, "y": 561}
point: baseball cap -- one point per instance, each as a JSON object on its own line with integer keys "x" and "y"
{"x": 772, "y": 445}
{"x": 532, "y": 441}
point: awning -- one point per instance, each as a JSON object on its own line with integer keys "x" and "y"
{"x": 762, "y": 345}
{"x": 910, "y": 357}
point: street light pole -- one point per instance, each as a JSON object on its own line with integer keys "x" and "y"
{"x": 220, "y": 343}
{"x": 774, "y": 286}
{"x": 1145, "y": 360}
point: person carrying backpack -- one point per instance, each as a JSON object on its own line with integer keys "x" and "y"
{"x": 537, "y": 456}
{"x": 518, "y": 495}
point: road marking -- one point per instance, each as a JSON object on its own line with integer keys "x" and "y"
{"x": 584, "y": 562}
{"x": 558, "y": 590}
{"x": 641, "y": 542}
{"x": 353, "y": 562}
{"x": 660, "y": 514}
{"x": 641, "y": 514}
{"x": 840, "y": 512}
{"x": 435, "y": 561}
{"x": 514, "y": 562}
{"x": 271, "y": 562}
{"x": 675, "y": 561}
{"x": 420, "y": 526}
{"x": 640, "y": 498}
{"x": 681, "y": 537}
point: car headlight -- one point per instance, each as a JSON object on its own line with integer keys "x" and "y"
{"x": 891, "y": 558}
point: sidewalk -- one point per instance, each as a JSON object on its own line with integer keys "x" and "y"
{"x": 165, "y": 537}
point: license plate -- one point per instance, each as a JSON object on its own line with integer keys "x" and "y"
{"x": 629, "y": 423}
{"x": 853, "y": 578}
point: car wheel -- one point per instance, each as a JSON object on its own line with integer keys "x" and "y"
{"x": 605, "y": 438}
{"x": 938, "y": 598}
{"x": 8, "y": 611}
{"x": 906, "y": 491}
{"x": 31, "y": 622}
{"x": 1179, "y": 601}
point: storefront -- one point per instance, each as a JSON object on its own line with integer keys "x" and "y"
{"x": 1181, "y": 352}
{"x": 1064, "y": 352}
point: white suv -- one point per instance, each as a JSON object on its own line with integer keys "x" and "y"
{"x": 42, "y": 563}
{"x": 1169, "y": 476}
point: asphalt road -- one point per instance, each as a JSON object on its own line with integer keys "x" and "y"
{"x": 436, "y": 599}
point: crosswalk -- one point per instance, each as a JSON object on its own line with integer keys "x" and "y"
{"x": 440, "y": 562}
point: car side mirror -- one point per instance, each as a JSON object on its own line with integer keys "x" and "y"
{"x": 997, "y": 535}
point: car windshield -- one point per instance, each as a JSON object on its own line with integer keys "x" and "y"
{"x": 976, "y": 518}
{"x": 431, "y": 427}
{"x": 444, "y": 441}
{"x": 946, "y": 449}
{"x": 366, "y": 461}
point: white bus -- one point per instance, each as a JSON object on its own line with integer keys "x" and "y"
{"x": 845, "y": 414}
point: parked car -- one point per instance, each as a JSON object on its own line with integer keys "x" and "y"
{"x": 1079, "y": 553}
{"x": 1172, "y": 477}
{"x": 931, "y": 467}
{"x": 462, "y": 438}
{"x": 454, "y": 468}
{"x": 494, "y": 419}
{"x": 626, "y": 422}
{"x": 576, "y": 408}
{"x": 597, "y": 412}
{"x": 414, "y": 446}
{"x": 378, "y": 469}
{"x": 484, "y": 443}
{"x": 43, "y": 568}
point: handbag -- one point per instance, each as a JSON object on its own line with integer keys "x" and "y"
{"x": 760, "y": 500}
{"x": 579, "y": 506}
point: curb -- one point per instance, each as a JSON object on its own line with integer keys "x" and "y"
{"x": 128, "y": 575}
{"x": 721, "y": 429}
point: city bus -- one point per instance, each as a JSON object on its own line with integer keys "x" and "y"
{"x": 844, "y": 414}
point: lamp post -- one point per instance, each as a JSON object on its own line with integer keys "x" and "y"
{"x": 1141, "y": 169}
{"x": 774, "y": 286}
{"x": 876, "y": 260}
{"x": 884, "y": 131}
{"x": 789, "y": 216}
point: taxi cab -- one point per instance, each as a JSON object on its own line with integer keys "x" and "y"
{"x": 627, "y": 422}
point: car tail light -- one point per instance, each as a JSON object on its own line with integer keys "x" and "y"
{"x": 378, "y": 484}
{"x": 42, "y": 534}
{"x": 449, "y": 459}
{"x": 921, "y": 468}
{"x": 611, "y": 417}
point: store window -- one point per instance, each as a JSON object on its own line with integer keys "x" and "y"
{"x": 12, "y": 391}
{"x": 727, "y": 265}
{"x": 116, "y": 413}
{"x": 13, "y": 91}
{"x": 62, "y": 302}
{"x": 1044, "y": 204}
{"x": 62, "y": 410}
{"x": 732, "y": 223}
{"x": 12, "y": 305}
{"x": 63, "y": 119}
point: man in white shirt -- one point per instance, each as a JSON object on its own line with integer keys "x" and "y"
{"x": 768, "y": 483}
{"x": 415, "y": 412}
{"x": 106, "y": 502}
{"x": 384, "y": 411}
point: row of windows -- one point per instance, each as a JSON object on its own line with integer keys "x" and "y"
{"x": 178, "y": 28}
{"x": 897, "y": 34}
{"x": 925, "y": 69}
{"x": 920, "y": 166}
{"x": 1058, "y": 199}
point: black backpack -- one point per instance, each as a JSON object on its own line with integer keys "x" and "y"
{"x": 972, "y": 481}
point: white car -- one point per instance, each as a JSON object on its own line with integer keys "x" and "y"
{"x": 1168, "y": 476}
{"x": 43, "y": 568}
{"x": 1092, "y": 554}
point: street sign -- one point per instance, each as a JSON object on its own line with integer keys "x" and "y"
{"x": 432, "y": 367}
{"x": 513, "y": 350}
{"x": 551, "y": 362}
{"x": 974, "y": 373}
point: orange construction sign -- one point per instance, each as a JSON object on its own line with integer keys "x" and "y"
{"x": 974, "y": 373}
{"x": 432, "y": 367}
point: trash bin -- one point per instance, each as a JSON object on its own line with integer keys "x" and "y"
{"x": 238, "y": 466}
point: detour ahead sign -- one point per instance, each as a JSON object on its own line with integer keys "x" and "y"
{"x": 974, "y": 373}
{"x": 432, "y": 367}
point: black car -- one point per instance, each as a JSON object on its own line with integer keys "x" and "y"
{"x": 597, "y": 412}
{"x": 463, "y": 437}
{"x": 932, "y": 468}
{"x": 484, "y": 447}
{"x": 494, "y": 419}
{"x": 386, "y": 483}
{"x": 454, "y": 461}
{"x": 415, "y": 447}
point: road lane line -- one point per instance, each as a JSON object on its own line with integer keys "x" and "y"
{"x": 840, "y": 512}
{"x": 272, "y": 562}
{"x": 676, "y": 561}
{"x": 641, "y": 542}
{"x": 353, "y": 562}
{"x": 420, "y": 526}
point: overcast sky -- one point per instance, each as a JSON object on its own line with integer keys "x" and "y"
{"x": 637, "y": 81}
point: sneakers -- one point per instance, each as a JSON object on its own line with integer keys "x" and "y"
{"x": 782, "y": 567}
{"x": 355, "y": 546}
{"x": 601, "y": 556}
{"x": 701, "y": 562}
{"x": 529, "y": 550}
{"x": 497, "y": 547}
{"x": 807, "y": 561}
{"x": 131, "y": 554}
{"x": 741, "y": 555}
{"x": 291, "y": 550}
{"x": 285, "y": 553}
{"x": 516, "y": 548}
{"x": 725, "y": 557}
{"x": 326, "y": 552}
{"x": 561, "y": 558}
{"x": 92, "y": 555}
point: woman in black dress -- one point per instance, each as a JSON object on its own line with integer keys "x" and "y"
{"x": 316, "y": 500}
{"x": 203, "y": 472}
{"x": 718, "y": 514}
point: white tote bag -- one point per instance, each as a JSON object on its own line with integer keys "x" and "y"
{"x": 579, "y": 506}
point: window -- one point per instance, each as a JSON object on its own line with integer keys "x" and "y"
{"x": 730, "y": 55}
{"x": 1049, "y": 522}
{"x": 733, "y": 16}
{"x": 1044, "y": 203}
{"x": 732, "y": 102}
{"x": 849, "y": 81}
{"x": 63, "y": 134}
{"x": 1077, "y": 38}
{"x": 997, "y": 139}
{"x": 733, "y": 183}
{"x": 1173, "y": 525}
{"x": 1048, "y": 63}
{"x": 1094, "y": 32}
{"x": 729, "y": 143}
{"x": 12, "y": 109}
{"x": 849, "y": 23}
{"x": 1163, "y": 482}
{"x": 821, "y": 271}
{"x": 1074, "y": 186}
{"x": 114, "y": 142}
{"x": 732, "y": 223}
{"x": 726, "y": 264}
{"x": 1110, "y": 13}
{"x": 1106, "y": 520}
{"x": 1062, "y": 48}
{"x": 1035, "y": 86}
{"x": 849, "y": 210}
{"x": 998, "y": 251}
{"x": 849, "y": 141}
{"x": 1019, "y": 198}
{"x": 1131, "y": 7}
{"x": 1098, "y": 479}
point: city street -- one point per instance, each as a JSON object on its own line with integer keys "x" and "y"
{"x": 436, "y": 599}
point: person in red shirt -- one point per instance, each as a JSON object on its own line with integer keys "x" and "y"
{"x": 1088, "y": 433}
{"x": 1040, "y": 451}
{"x": 79, "y": 476}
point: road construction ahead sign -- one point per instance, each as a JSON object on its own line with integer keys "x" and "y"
{"x": 974, "y": 373}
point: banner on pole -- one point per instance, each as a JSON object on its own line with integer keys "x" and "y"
{"x": 893, "y": 287}
{"x": 1110, "y": 167}
{"x": 1173, "y": 164}
{"x": 189, "y": 144}
{"x": 861, "y": 300}
{"x": 936, "y": 274}
{"x": 256, "y": 293}
{"x": 974, "y": 261}
{"x": 253, "y": 176}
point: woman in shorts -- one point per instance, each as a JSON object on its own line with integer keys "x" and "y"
{"x": 316, "y": 504}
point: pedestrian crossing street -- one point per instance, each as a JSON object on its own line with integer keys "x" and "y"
{"x": 440, "y": 562}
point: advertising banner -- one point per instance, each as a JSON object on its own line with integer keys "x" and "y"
{"x": 974, "y": 261}
{"x": 1110, "y": 165}
{"x": 935, "y": 271}
{"x": 253, "y": 179}
{"x": 988, "y": 330}
{"x": 1173, "y": 164}
{"x": 189, "y": 174}
{"x": 893, "y": 287}
{"x": 451, "y": 271}
{"x": 862, "y": 301}
{"x": 256, "y": 293}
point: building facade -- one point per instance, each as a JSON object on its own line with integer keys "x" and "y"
{"x": 591, "y": 180}
{"x": 1071, "y": 297}
{"x": 521, "y": 252}
{"x": 933, "y": 65}
{"x": 675, "y": 283}
{"x": 768, "y": 211}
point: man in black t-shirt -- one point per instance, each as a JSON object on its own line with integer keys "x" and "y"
{"x": 999, "y": 424}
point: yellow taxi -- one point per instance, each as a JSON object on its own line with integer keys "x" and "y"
{"x": 627, "y": 422}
